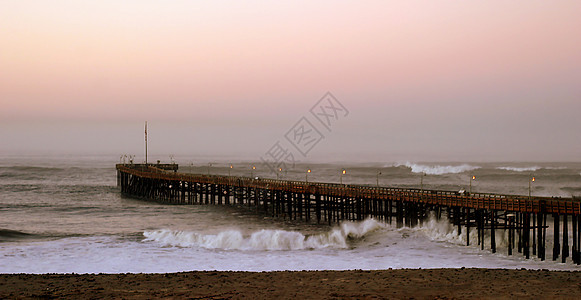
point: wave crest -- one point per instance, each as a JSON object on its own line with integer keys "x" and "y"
{"x": 439, "y": 169}
{"x": 265, "y": 239}
{"x": 517, "y": 169}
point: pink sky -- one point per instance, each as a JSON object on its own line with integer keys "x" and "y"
{"x": 414, "y": 74}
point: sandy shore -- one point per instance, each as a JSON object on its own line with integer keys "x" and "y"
{"x": 385, "y": 284}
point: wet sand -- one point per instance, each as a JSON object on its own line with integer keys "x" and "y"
{"x": 384, "y": 284}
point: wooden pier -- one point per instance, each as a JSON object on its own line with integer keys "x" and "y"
{"x": 524, "y": 217}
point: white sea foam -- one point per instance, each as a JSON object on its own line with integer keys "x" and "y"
{"x": 439, "y": 169}
{"x": 265, "y": 239}
{"x": 517, "y": 169}
{"x": 435, "y": 244}
{"x": 442, "y": 230}
{"x": 556, "y": 168}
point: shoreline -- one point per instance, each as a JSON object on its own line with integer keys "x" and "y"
{"x": 392, "y": 283}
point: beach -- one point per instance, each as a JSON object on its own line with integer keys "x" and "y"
{"x": 457, "y": 283}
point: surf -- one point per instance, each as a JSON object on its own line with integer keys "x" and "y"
{"x": 438, "y": 169}
{"x": 266, "y": 239}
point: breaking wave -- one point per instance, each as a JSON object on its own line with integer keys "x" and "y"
{"x": 517, "y": 169}
{"x": 529, "y": 169}
{"x": 266, "y": 239}
{"x": 442, "y": 230}
{"x": 438, "y": 169}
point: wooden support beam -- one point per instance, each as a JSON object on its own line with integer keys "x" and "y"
{"x": 467, "y": 218}
{"x": 526, "y": 234}
{"x": 510, "y": 223}
{"x": 556, "y": 245}
{"x": 565, "y": 253}
{"x": 574, "y": 246}
{"x": 534, "y": 234}
{"x": 318, "y": 207}
{"x": 540, "y": 237}
{"x": 492, "y": 231}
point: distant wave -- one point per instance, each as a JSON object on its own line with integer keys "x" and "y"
{"x": 265, "y": 239}
{"x": 7, "y": 234}
{"x": 31, "y": 169}
{"x": 517, "y": 169}
{"x": 438, "y": 169}
{"x": 26, "y": 172}
{"x": 529, "y": 169}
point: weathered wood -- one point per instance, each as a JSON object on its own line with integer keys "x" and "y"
{"x": 574, "y": 247}
{"x": 556, "y": 246}
{"x": 492, "y": 231}
{"x": 565, "y": 253}
{"x": 510, "y": 234}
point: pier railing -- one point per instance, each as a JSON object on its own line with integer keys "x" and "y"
{"x": 491, "y": 201}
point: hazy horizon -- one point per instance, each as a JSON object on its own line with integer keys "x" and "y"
{"x": 421, "y": 80}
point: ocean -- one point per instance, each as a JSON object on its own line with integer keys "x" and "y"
{"x": 64, "y": 214}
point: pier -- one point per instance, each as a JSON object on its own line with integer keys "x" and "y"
{"x": 524, "y": 218}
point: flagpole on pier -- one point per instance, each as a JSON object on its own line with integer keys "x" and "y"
{"x": 146, "y": 143}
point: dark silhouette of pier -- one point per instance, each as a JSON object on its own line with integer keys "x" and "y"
{"x": 524, "y": 217}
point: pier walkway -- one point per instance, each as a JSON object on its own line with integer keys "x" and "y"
{"x": 524, "y": 217}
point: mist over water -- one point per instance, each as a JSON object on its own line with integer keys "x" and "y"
{"x": 67, "y": 215}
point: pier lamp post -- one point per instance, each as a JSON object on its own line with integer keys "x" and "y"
{"x": 470, "y": 188}
{"x": 307, "y": 175}
{"x": 278, "y": 173}
{"x": 531, "y": 180}
{"x": 229, "y": 170}
{"x": 252, "y": 172}
{"x": 209, "y": 165}
{"x": 378, "y": 173}
{"x": 422, "y": 185}
{"x": 343, "y": 172}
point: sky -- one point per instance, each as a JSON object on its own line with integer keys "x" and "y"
{"x": 417, "y": 80}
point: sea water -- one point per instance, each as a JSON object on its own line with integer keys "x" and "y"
{"x": 66, "y": 214}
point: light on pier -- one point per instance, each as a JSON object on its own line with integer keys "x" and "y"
{"x": 530, "y": 182}
{"x": 470, "y": 188}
